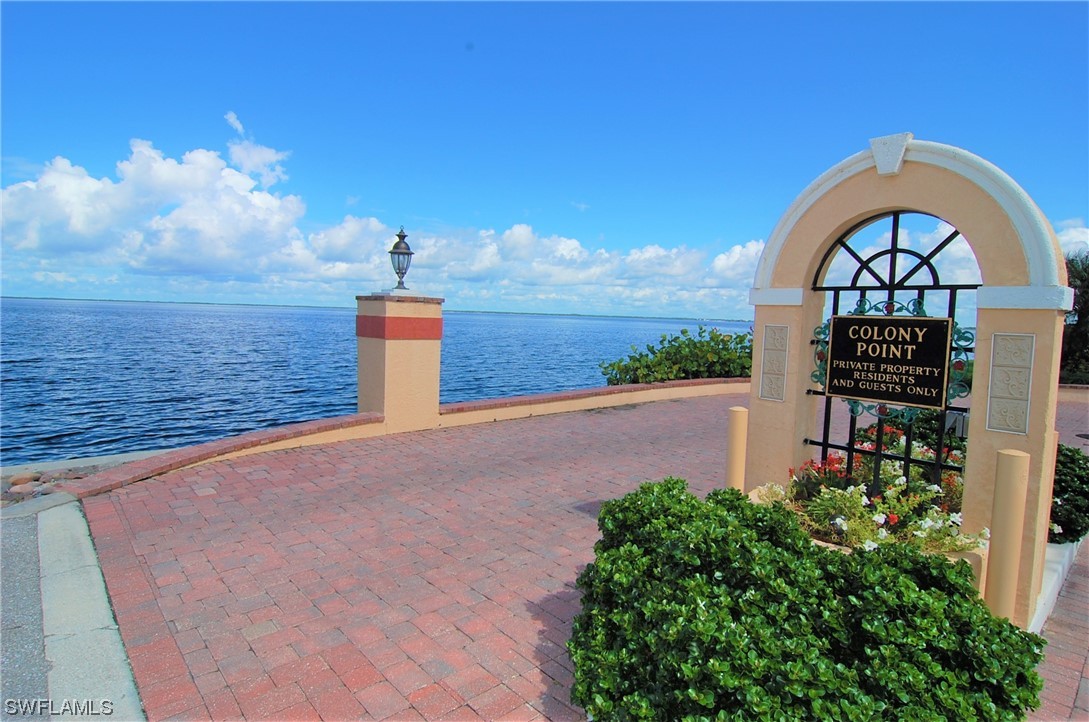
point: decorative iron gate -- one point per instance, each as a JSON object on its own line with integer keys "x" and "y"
{"x": 895, "y": 281}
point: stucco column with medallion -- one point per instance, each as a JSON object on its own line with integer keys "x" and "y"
{"x": 1018, "y": 325}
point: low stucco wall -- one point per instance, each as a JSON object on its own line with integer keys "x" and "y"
{"x": 367, "y": 425}
{"x": 518, "y": 407}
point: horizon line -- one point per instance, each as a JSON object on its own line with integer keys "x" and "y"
{"x": 299, "y": 305}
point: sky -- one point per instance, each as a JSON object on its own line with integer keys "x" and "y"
{"x": 613, "y": 158}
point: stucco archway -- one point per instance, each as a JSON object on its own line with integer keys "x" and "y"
{"x": 1018, "y": 322}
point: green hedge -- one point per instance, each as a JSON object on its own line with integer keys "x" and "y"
{"x": 710, "y": 354}
{"x": 725, "y": 610}
{"x": 1070, "y": 496}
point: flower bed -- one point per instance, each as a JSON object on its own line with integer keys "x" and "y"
{"x": 834, "y": 505}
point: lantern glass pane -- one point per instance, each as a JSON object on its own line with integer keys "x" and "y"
{"x": 401, "y": 261}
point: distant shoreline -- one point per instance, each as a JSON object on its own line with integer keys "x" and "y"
{"x": 349, "y": 308}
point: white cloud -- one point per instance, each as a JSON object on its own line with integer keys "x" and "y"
{"x": 161, "y": 215}
{"x": 208, "y": 225}
{"x": 481, "y": 264}
{"x": 1073, "y": 236}
{"x": 350, "y": 239}
{"x": 655, "y": 261}
{"x": 65, "y": 209}
{"x": 251, "y": 158}
{"x": 226, "y": 230}
{"x": 151, "y": 179}
{"x": 234, "y": 122}
{"x": 49, "y": 277}
{"x": 519, "y": 241}
{"x": 738, "y": 264}
{"x": 920, "y": 234}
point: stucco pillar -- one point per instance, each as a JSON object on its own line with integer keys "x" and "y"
{"x": 781, "y": 414}
{"x": 737, "y": 434}
{"x": 399, "y": 341}
{"x": 1014, "y": 399}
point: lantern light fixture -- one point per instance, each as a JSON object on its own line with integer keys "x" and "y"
{"x": 401, "y": 257}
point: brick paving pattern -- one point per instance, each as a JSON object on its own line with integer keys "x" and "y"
{"x": 1065, "y": 668}
{"x": 422, "y": 576}
{"x": 415, "y": 576}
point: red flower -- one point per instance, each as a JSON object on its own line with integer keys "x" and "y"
{"x": 893, "y": 518}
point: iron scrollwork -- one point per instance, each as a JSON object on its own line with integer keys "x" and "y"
{"x": 957, "y": 386}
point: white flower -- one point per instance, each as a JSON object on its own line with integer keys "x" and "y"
{"x": 869, "y": 545}
{"x": 1057, "y": 501}
{"x": 882, "y": 533}
{"x": 865, "y": 501}
{"x": 1056, "y": 528}
{"x": 935, "y": 488}
{"x": 879, "y": 518}
{"x": 840, "y": 522}
{"x": 956, "y": 518}
{"x": 901, "y": 481}
{"x": 919, "y": 533}
{"x": 986, "y": 533}
{"x": 926, "y": 523}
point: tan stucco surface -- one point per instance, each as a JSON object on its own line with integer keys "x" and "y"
{"x": 988, "y": 209}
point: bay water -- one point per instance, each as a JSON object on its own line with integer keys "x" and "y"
{"x": 92, "y": 378}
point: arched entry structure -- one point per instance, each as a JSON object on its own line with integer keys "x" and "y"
{"x": 1018, "y": 323}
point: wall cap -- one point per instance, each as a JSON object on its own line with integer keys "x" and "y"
{"x": 776, "y": 296}
{"x": 1059, "y": 298}
{"x": 399, "y": 297}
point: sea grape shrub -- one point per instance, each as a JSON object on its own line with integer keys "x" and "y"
{"x": 721, "y": 609}
{"x": 710, "y": 354}
{"x": 1070, "y": 496}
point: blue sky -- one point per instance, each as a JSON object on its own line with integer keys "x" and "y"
{"x": 606, "y": 158}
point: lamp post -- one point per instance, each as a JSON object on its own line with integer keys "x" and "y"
{"x": 401, "y": 257}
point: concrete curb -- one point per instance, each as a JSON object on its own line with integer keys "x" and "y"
{"x": 1058, "y": 560}
{"x": 90, "y": 670}
{"x": 36, "y": 505}
{"x": 81, "y": 462}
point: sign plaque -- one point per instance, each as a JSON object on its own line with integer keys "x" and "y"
{"x": 900, "y": 360}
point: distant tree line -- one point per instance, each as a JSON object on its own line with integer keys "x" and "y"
{"x": 1074, "y": 368}
{"x": 713, "y": 354}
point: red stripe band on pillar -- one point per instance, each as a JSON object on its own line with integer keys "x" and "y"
{"x": 398, "y": 328}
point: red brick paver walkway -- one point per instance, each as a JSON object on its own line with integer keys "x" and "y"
{"x": 416, "y": 576}
{"x": 1065, "y": 668}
